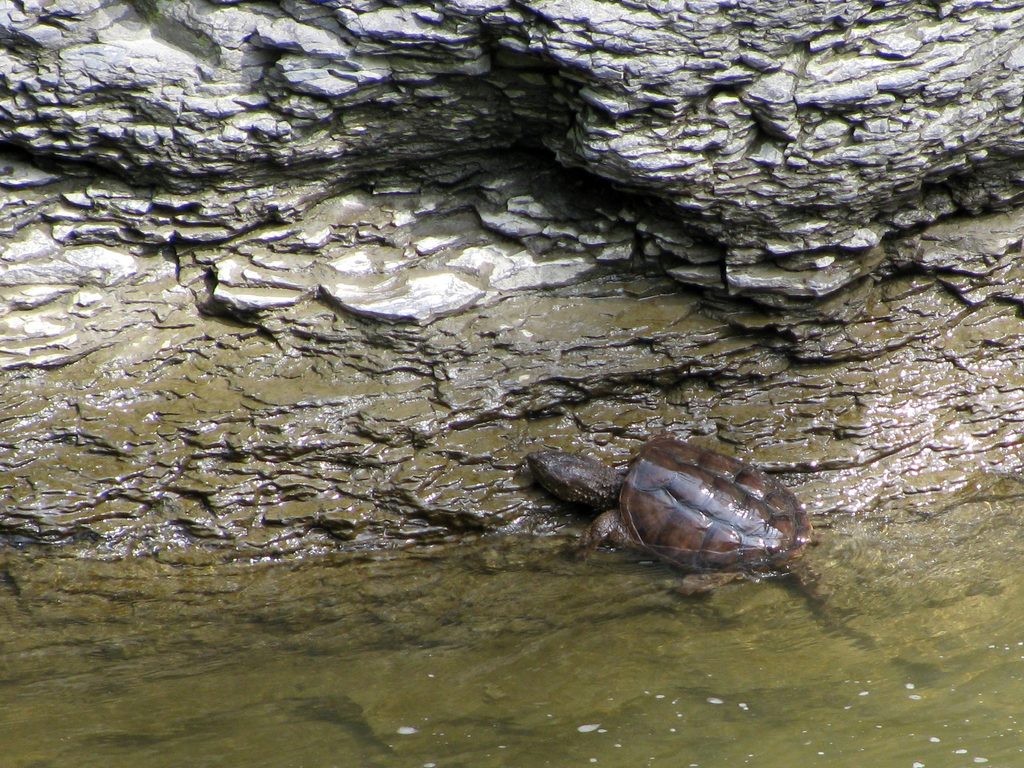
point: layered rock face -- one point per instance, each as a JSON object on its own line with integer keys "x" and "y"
{"x": 278, "y": 278}
{"x": 795, "y": 136}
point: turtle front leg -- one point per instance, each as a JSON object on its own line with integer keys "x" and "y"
{"x": 607, "y": 528}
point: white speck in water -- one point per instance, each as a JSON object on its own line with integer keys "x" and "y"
{"x": 588, "y": 727}
{"x": 659, "y": 696}
{"x": 934, "y": 739}
{"x": 959, "y": 751}
{"x": 917, "y": 765}
{"x": 742, "y": 705}
{"x": 910, "y": 686}
{"x": 430, "y": 765}
{"x": 715, "y": 700}
{"x": 981, "y": 759}
{"x": 914, "y": 697}
{"x": 864, "y": 693}
{"x": 407, "y": 730}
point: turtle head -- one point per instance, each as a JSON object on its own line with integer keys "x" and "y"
{"x": 577, "y": 478}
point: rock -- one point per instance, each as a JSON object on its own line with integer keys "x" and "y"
{"x": 420, "y": 299}
{"x": 739, "y": 122}
{"x": 706, "y": 276}
{"x": 246, "y": 300}
{"x": 279, "y": 278}
{"x": 17, "y": 174}
{"x": 519, "y": 271}
{"x": 811, "y": 283}
{"x": 39, "y": 260}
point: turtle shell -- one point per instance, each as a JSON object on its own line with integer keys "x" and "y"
{"x": 704, "y": 511}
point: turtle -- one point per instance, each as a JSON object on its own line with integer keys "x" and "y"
{"x": 709, "y": 515}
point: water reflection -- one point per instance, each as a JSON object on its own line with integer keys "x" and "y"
{"x": 507, "y": 652}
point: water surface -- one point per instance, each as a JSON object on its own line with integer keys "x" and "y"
{"x": 509, "y": 651}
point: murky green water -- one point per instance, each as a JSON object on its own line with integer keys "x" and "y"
{"x": 507, "y": 651}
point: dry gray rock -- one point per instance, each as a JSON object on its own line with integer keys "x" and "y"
{"x": 774, "y": 129}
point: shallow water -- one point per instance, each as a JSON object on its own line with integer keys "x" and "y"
{"x": 509, "y": 651}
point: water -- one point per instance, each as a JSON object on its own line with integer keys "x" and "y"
{"x": 508, "y": 651}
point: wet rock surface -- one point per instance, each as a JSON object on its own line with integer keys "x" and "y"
{"x": 795, "y": 135}
{"x": 283, "y": 280}
{"x": 370, "y": 370}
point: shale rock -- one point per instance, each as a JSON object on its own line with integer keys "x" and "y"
{"x": 797, "y": 135}
{"x": 368, "y": 371}
{"x": 283, "y": 279}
